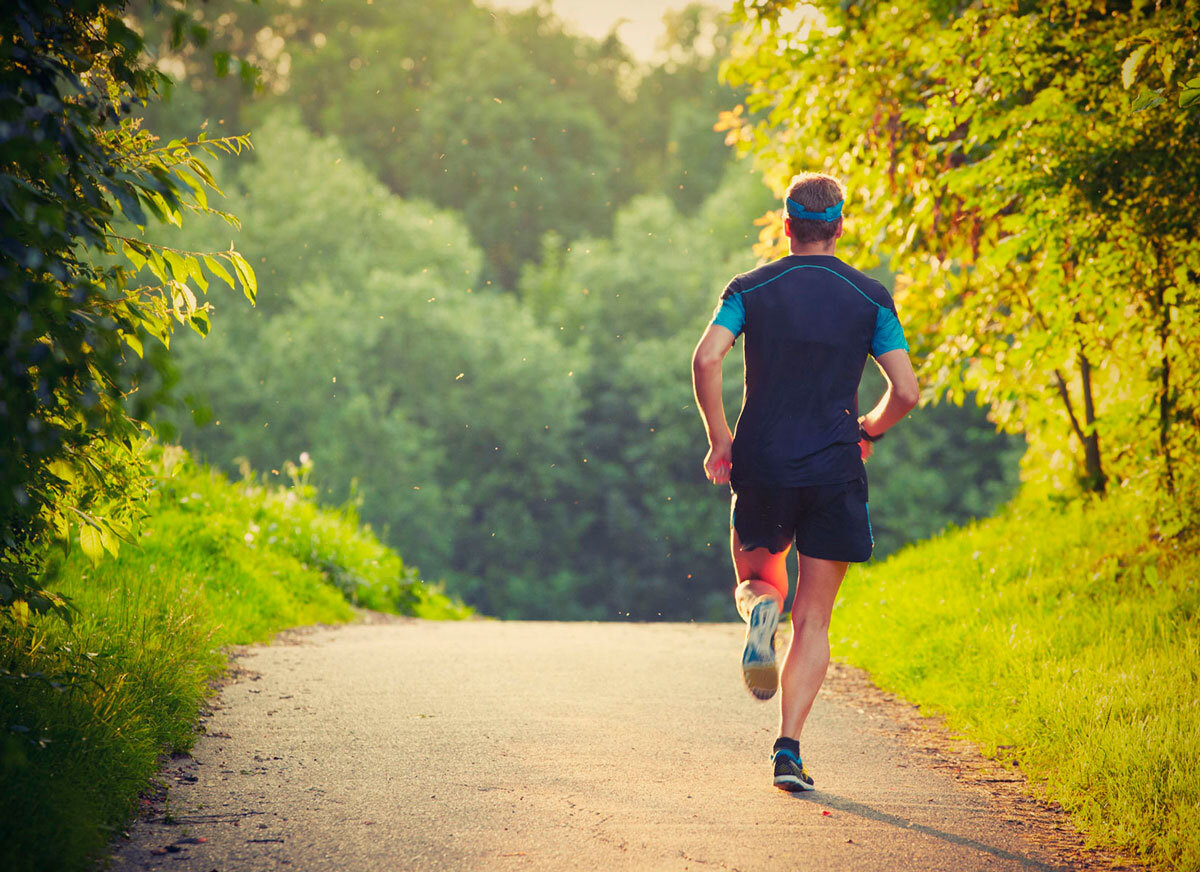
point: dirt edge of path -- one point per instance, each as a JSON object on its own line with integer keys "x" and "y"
{"x": 1019, "y": 800}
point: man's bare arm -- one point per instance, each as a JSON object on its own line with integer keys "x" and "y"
{"x": 900, "y": 397}
{"x": 706, "y": 381}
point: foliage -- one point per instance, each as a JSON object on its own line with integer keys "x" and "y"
{"x": 87, "y": 708}
{"x": 535, "y": 449}
{"x": 514, "y": 155}
{"x": 78, "y": 171}
{"x": 378, "y": 357}
{"x": 944, "y": 465}
{"x": 513, "y": 120}
{"x": 1064, "y": 637}
{"x": 1025, "y": 165}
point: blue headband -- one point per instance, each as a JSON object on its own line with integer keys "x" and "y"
{"x": 833, "y": 213}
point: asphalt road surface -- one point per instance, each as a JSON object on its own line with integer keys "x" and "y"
{"x": 488, "y": 745}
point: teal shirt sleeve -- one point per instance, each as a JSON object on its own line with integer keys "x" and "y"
{"x": 731, "y": 314}
{"x": 888, "y": 334}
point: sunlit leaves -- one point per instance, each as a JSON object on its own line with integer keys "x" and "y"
{"x": 1129, "y": 69}
{"x": 1025, "y": 172}
{"x": 1148, "y": 99}
{"x": 81, "y": 290}
{"x": 1190, "y": 95}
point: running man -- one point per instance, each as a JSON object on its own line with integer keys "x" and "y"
{"x": 796, "y": 464}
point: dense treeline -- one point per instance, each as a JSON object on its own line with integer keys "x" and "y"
{"x": 485, "y": 341}
{"x": 505, "y": 117}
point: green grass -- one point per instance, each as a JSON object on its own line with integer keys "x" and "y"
{"x": 1065, "y": 637}
{"x": 87, "y": 709}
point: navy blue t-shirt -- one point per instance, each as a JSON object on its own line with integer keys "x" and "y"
{"x": 809, "y": 323}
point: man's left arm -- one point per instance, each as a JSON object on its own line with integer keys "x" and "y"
{"x": 706, "y": 381}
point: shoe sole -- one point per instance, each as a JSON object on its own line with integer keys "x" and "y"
{"x": 758, "y": 657}
{"x": 761, "y": 680}
{"x": 792, "y": 784}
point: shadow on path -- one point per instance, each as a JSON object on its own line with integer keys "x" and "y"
{"x": 865, "y": 811}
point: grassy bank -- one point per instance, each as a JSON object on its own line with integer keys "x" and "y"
{"x": 1065, "y": 637}
{"x": 86, "y": 709}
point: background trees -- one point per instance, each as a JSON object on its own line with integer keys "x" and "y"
{"x": 486, "y": 252}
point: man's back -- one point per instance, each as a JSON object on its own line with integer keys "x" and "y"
{"x": 809, "y": 323}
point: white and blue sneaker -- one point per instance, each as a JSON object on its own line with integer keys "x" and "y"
{"x": 758, "y": 657}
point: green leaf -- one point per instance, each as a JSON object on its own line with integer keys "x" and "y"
{"x": 183, "y": 299}
{"x": 1129, "y": 69}
{"x": 214, "y": 267}
{"x": 62, "y": 469}
{"x": 246, "y": 274}
{"x": 109, "y": 539}
{"x": 200, "y": 322}
{"x": 134, "y": 342}
{"x": 197, "y": 187}
{"x": 157, "y": 265}
{"x": 91, "y": 541}
{"x": 1189, "y": 97}
{"x": 221, "y": 63}
{"x": 195, "y": 272}
{"x": 197, "y": 166}
{"x": 1147, "y": 100}
{"x": 135, "y": 257}
{"x": 19, "y": 612}
{"x": 179, "y": 265}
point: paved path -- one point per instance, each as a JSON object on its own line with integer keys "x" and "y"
{"x": 489, "y": 745}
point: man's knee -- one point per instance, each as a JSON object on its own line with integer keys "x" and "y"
{"x": 809, "y": 621}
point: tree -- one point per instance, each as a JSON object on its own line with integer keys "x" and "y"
{"x": 78, "y": 171}
{"x": 379, "y": 355}
{"x": 516, "y": 156}
{"x": 1024, "y": 167}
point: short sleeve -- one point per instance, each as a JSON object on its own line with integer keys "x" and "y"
{"x": 730, "y": 313}
{"x": 888, "y": 334}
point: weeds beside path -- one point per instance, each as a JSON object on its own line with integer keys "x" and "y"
{"x": 1065, "y": 639}
{"x": 86, "y": 709}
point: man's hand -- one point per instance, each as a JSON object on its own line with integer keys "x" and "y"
{"x": 865, "y": 448}
{"x": 717, "y": 462}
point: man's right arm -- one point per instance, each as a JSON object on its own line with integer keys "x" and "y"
{"x": 901, "y": 395}
{"x": 706, "y": 381}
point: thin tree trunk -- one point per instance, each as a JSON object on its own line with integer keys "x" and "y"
{"x": 1165, "y": 404}
{"x": 1096, "y": 479}
{"x": 1091, "y": 439}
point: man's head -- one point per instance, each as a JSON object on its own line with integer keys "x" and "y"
{"x": 816, "y": 194}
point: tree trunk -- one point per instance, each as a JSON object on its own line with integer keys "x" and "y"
{"x": 1165, "y": 403}
{"x": 1091, "y": 439}
{"x": 1096, "y": 480}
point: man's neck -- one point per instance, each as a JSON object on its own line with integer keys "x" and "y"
{"x": 808, "y": 248}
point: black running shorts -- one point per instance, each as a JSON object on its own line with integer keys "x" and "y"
{"x": 826, "y": 521}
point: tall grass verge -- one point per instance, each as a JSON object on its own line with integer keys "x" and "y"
{"x": 87, "y": 708}
{"x": 1064, "y": 637}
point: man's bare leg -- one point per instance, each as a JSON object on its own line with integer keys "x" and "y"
{"x": 807, "y": 658}
{"x": 761, "y": 590}
{"x": 759, "y": 573}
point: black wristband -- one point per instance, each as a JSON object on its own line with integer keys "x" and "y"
{"x": 864, "y": 435}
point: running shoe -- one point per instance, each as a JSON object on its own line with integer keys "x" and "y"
{"x": 758, "y": 657}
{"x": 790, "y": 773}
